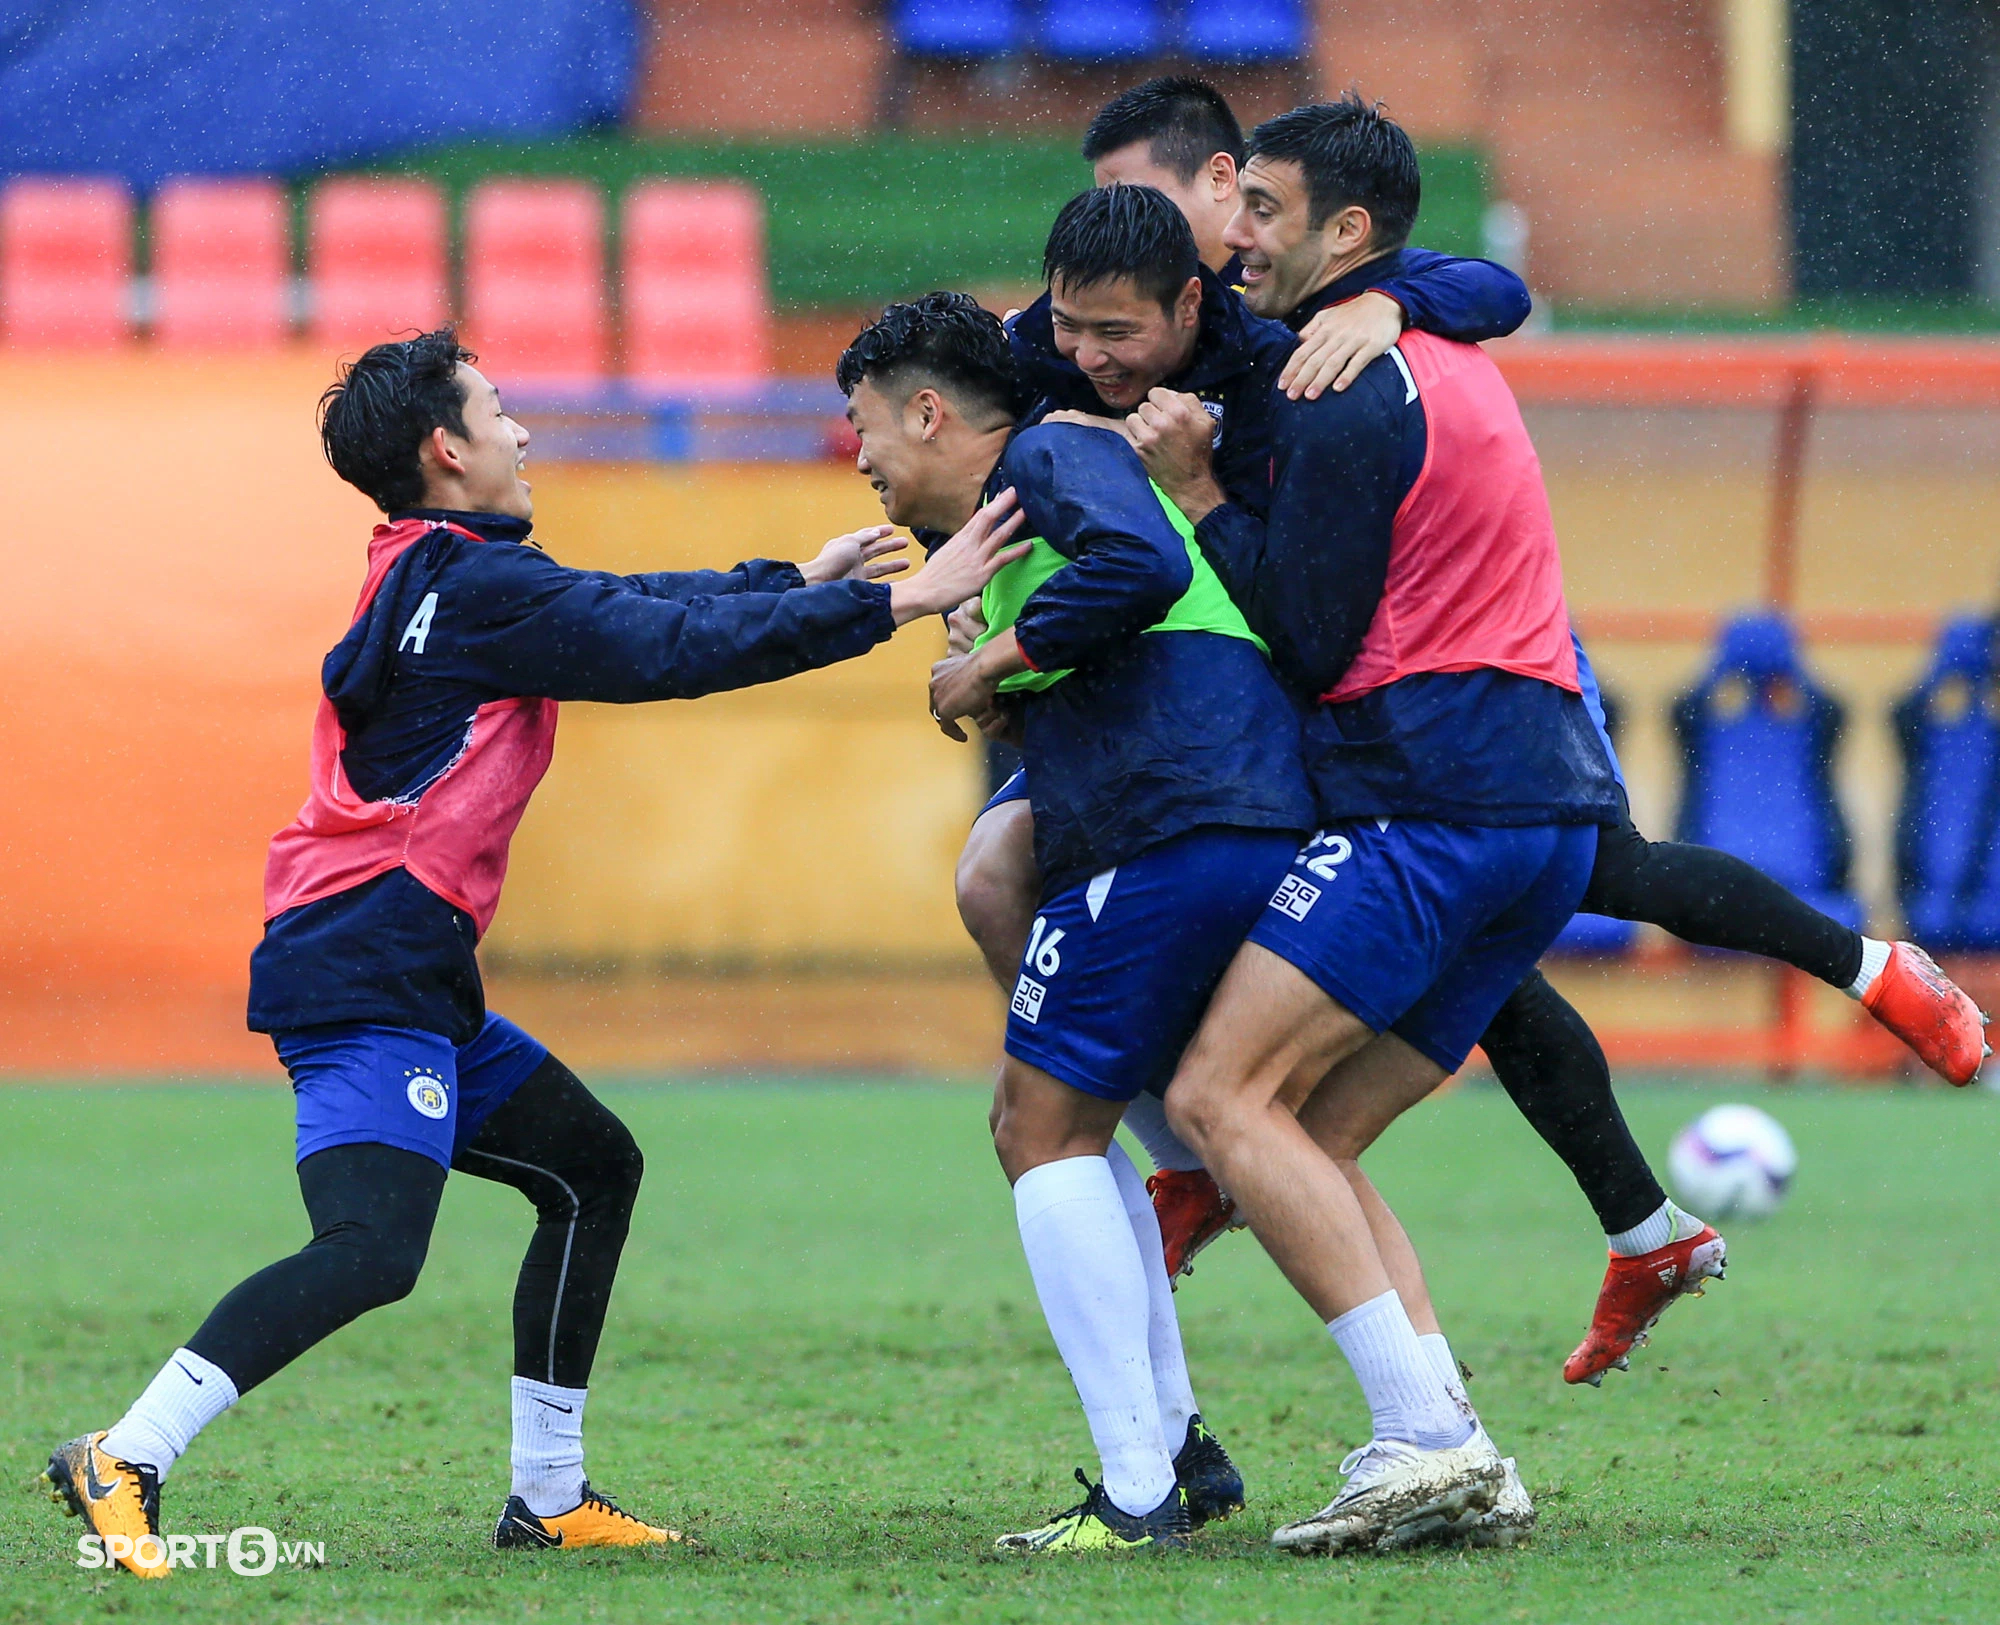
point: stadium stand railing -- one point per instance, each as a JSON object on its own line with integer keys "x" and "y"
{"x": 66, "y": 262}
{"x": 222, "y": 264}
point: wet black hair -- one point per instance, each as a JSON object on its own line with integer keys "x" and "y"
{"x": 1351, "y": 153}
{"x": 379, "y": 411}
{"x": 1123, "y": 231}
{"x": 1183, "y": 121}
{"x": 948, "y": 341}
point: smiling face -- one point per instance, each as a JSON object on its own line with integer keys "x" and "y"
{"x": 479, "y": 471}
{"x": 1284, "y": 257}
{"x": 1121, "y": 339}
{"x": 895, "y": 435}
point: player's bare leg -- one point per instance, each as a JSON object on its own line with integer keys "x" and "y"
{"x": 1269, "y": 1040}
{"x": 998, "y": 884}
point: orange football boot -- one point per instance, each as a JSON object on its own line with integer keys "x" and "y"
{"x": 1192, "y": 1211}
{"x": 120, "y": 1502}
{"x": 1930, "y": 1012}
{"x": 1636, "y": 1292}
{"x": 593, "y": 1521}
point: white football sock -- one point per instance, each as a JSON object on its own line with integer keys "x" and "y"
{"x": 1874, "y": 957}
{"x": 1445, "y": 1364}
{"x": 1664, "y": 1224}
{"x": 187, "y": 1395}
{"x": 548, "y": 1446}
{"x": 1092, "y": 1285}
{"x": 1163, "y": 1327}
{"x": 1146, "y": 1117}
{"x": 1407, "y": 1399}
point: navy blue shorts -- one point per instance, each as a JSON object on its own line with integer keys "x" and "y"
{"x": 1423, "y": 929}
{"x": 1119, "y": 968}
{"x": 357, "y": 1083}
{"x": 1015, "y": 789}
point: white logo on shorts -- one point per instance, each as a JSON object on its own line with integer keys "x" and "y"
{"x": 1295, "y": 897}
{"x": 427, "y": 1094}
{"x": 1027, "y": 1002}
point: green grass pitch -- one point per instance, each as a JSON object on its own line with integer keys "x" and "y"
{"x": 825, "y": 1361}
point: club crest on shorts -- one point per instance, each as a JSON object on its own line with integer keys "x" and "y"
{"x": 1295, "y": 897}
{"x": 428, "y": 1094}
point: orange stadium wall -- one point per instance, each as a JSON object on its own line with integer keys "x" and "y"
{"x": 182, "y": 559}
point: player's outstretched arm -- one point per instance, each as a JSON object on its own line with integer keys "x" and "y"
{"x": 522, "y": 624}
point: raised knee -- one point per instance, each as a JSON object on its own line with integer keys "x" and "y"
{"x": 391, "y": 1271}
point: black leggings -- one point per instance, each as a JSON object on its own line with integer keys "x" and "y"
{"x": 372, "y": 1208}
{"x": 1715, "y": 900}
{"x": 1549, "y": 1061}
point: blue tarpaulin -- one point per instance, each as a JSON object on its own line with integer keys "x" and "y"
{"x": 151, "y": 88}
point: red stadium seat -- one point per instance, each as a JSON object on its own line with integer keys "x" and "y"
{"x": 376, "y": 250}
{"x": 65, "y": 262}
{"x": 222, "y": 264}
{"x": 534, "y": 280}
{"x": 697, "y": 307}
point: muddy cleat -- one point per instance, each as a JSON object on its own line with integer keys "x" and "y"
{"x": 1214, "y": 1487}
{"x": 1636, "y": 1292}
{"x": 1930, "y": 1012}
{"x": 120, "y": 1500}
{"x": 1100, "y": 1525}
{"x": 593, "y": 1521}
{"x": 1512, "y": 1519}
{"x": 1398, "y": 1495}
{"x": 1192, "y": 1212}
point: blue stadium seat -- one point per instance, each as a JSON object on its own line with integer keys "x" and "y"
{"x": 1244, "y": 30}
{"x": 1947, "y": 865}
{"x": 1757, "y": 736}
{"x": 1100, "y": 30}
{"x": 962, "y": 30}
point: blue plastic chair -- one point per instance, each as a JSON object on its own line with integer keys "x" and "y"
{"x": 959, "y": 30}
{"x": 1947, "y": 858}
{"x": 1758, "y": 736}
{"x": 1100, "y": 30}
{"x": 1244, "y": 30}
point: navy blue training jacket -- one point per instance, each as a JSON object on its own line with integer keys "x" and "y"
{"x": 1152, "y": 733}
{"x": 510, "y": 621}
{"x": 1238, "y": 355}
{"x": 1482, "y": 747}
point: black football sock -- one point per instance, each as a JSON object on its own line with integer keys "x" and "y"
{"x": 1550, "y": 1063}
{"x": 557, "y": 1144}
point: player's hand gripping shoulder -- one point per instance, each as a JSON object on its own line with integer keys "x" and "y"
{"x": 1175, "y": 438}
{"x": 1340, "y": 343}
{"x": 961, "y": 568}
{"x": 860, "y": 555}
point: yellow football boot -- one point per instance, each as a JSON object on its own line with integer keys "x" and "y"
{"x": 120, "y": 1502}
{"x": 1099, "y": 1524}
{"x": 593, "y": 1521}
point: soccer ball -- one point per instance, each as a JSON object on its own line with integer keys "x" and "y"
{"x": 1732, "y": 1161}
